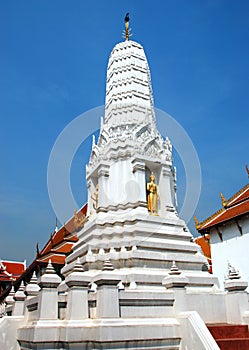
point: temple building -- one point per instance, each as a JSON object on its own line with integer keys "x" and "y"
{"x": 228, "y": 233}
{"x": 58, "y": 246}
{"x": 134, "y": 278}
{"x": 10, "y": 271}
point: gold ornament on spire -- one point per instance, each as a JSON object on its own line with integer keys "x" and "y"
{"x": 127, "y": 32}
{"x": 223, "y": 200}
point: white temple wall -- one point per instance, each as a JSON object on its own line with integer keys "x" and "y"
{"x": 118, "y": 183}
{"x": 210, "y": 306}
{"x": 233, "y": 249}
{"x": 165, "y": 189}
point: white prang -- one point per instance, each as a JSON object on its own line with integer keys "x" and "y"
{"x": 129, "y": 142}
{"x": 133, "y": 280}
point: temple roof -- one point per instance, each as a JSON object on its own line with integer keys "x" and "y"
{"x": 234, "y": 207}
{"x": 57, "y": 248}
{"x": 11, "y": 270}
{"x": 61, "y": 242}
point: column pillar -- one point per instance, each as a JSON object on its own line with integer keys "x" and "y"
{"x": 10, "y": 301}
{"x": 77, "y": 300}
{"x": 48, "y": 295}
{"x": 107, "y": 295}
{"x": 177, "y": 284}
{"x": 103, "y": 177}
{"x": 165, "y": 190}
{"x": 139, "y": 174}
{"x": 236, "y": 298}
{"x": 19, "y": 297}
{"x": 31, "y": 291}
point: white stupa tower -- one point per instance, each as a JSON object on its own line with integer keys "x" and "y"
{"x": 129, "y": 146}
{"x": 134, "y": 279}
{"x": 120, "y": 223}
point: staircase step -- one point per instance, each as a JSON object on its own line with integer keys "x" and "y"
{"x": 233, "y": 344}
{"x": 228, "y": 331}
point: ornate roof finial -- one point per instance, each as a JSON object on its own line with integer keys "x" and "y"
{"x": 247, "y": 169}
{"x": 197, "y": 225}
{"x": 127, "y": 31}
{"x": 37, "y": 250}
{"x": 56, "y": 225}
{"x": 223, "y": 199}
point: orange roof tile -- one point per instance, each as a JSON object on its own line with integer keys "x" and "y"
{"x": 240, "y": 196}
{"x": 62, "y": 241}
{"x": 14, "y": 267}
{"x": 55, "y": 258}
{"x": 64, "y": 248}
{"x": 57, "y": 248}
{"x": 203, "y": 242}
{"x": 236, "y": 206}
{"x": 10, "y": 270}
{"x": 228, "y": 214}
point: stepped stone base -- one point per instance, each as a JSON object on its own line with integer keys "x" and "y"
{"x": 103, "y": 334}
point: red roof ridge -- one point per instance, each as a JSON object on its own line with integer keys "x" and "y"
{"x": 210, "y": 218}
{"x": 238, "y": 194}
{"x": 66, "y": 235}
{"x": 229, "y": 213}
{"x": 228, "y": 205}
{"x": 13, "y": 261}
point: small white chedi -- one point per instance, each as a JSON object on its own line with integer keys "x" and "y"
{"x": 134, "y": 279}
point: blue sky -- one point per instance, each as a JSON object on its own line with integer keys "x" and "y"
{"x": 53, "y": 64}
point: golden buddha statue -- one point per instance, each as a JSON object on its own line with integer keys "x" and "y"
{"x": 152, "y": 190}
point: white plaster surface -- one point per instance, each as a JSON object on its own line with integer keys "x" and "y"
{"x": 233, "y": 249}
{"x": 8, "y": 332}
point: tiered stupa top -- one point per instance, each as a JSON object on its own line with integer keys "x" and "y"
{"x": 129, "y": 125}
{"x": 128, "y": 86}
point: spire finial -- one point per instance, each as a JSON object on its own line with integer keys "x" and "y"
{"x": 127, "y": 32}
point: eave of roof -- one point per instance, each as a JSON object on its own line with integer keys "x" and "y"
{"x": 14, "y": 267}
{"x": 67, "y": 232}
{"x": 240, "y": 196}
{"x": 235, "y": 207}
